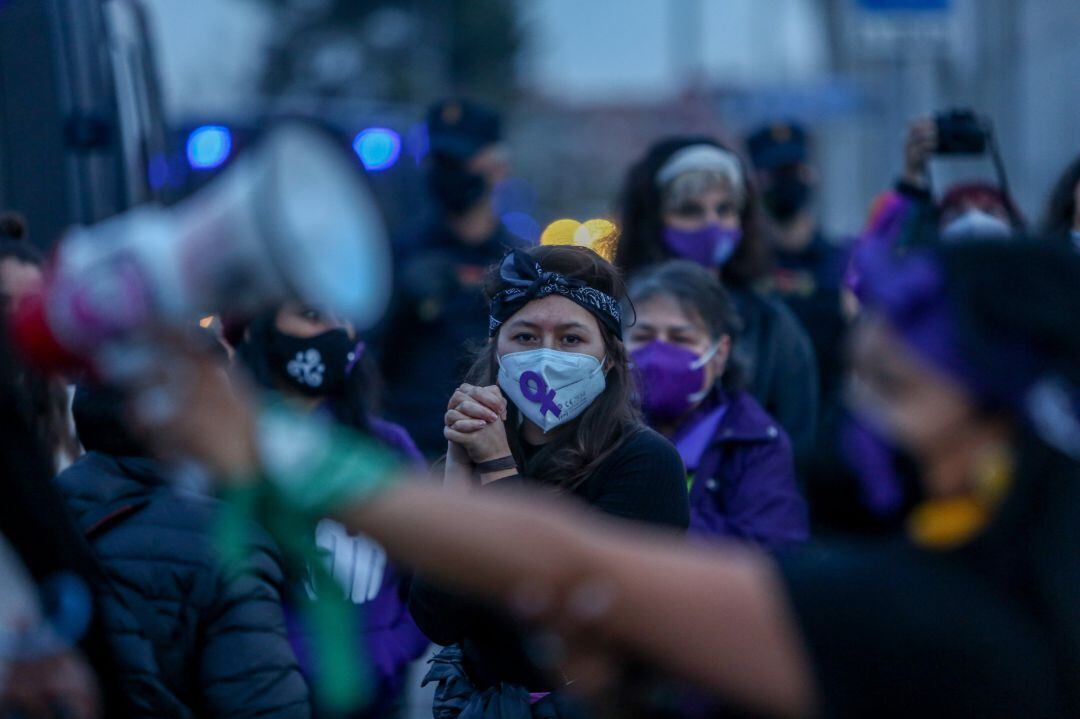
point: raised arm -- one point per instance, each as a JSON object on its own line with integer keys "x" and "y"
{"x": 714, "y": 616}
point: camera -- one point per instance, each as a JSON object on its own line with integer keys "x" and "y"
{"x": 961, "y": 132}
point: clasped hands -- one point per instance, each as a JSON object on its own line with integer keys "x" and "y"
{"x": 475, "y": 423}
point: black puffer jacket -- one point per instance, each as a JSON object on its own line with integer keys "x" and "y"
{"x": 190, "y": 638}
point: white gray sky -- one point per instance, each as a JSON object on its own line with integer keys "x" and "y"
{"x": 611, "y": 49}
{"x": 210, "y": 51}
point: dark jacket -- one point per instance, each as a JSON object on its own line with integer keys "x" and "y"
{"x": 438, "y": 310}
{"x": 779, "y": 361}
{"x": 188, "y": 635}
{"x": 809, "y": 283}
{"x": 743, "y": 473}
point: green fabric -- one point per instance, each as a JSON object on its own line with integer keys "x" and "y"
{"x": 308, "y": 468}
{"x": 317, "y": 466}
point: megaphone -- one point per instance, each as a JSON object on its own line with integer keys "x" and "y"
{"x": 293, "y": 219}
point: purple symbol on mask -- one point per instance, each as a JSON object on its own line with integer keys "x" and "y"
{"x": 535, "y": 389}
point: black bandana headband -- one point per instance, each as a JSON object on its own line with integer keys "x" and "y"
{"x": 529, "y": 281}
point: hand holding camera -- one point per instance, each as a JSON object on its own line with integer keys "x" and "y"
{"x": 921, "y": 143}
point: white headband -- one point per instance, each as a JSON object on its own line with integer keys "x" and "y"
{"x": 702, "y": 157}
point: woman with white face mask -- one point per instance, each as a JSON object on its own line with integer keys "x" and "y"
{"x": 739, "y": 463}
{"x": 549, "y": 402}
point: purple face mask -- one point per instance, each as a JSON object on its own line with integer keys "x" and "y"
{"x": 709, "y": 246}
{"x": 672, "y": 379}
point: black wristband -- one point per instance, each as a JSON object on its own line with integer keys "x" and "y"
{"x": 497, "y": 465}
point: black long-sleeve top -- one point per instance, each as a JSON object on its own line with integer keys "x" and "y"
{"x": 643, "y": 480}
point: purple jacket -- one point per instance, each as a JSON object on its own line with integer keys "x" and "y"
{"x": 742, "y": 474}
{"x": 390, "y": 638}
{"x": 890, "y": 215}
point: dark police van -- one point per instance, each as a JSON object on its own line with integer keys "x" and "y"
{"x": 81, "y": 123}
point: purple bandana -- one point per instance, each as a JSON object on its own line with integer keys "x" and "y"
{"x": 911, "y": 294}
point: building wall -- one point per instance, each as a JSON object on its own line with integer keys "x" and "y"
{"x": 1048, "y": 137}
{"x": 1015, "y": 60}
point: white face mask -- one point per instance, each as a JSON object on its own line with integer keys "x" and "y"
{"x": 975, "y": 224}
{"x": 551, "y": 387}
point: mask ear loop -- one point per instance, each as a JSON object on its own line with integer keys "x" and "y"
{"x": 698, "y": 364}
{"x": 698, "y": 396}
{"x": 705, "y": 358}
{"x": 354, "y": 357}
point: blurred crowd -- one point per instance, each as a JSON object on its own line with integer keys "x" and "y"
{"x": 708, "y": 461}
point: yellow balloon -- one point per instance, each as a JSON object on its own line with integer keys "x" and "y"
{"x": 598, "y": 234}
{"x": 560, "y": 232}
{"x": 603, "y": 237}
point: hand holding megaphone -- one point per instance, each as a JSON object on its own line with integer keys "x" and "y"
{"x": 292, "y": 219}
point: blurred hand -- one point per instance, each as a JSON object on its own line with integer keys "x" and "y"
{"x": 571, "y": 646}
{"x": 475, "y": 421}
{"x": 920, "y": 145}
{"x": 192, "y": 407}
{"x": 61, "y": 685}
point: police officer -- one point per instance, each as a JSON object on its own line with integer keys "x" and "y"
{"x": 809, "y": 268}
{"x": 439, "y": 306}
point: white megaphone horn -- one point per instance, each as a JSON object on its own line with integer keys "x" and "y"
{"x": 293, "y": 219}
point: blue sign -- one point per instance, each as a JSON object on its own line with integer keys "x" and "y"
{"x": 919, "y": 5}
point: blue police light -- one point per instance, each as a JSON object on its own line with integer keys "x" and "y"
{"x": 209, "y": 146}
{"x": 378, "y": 148}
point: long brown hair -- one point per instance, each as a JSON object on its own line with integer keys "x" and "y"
{"x": 580, "y": 446}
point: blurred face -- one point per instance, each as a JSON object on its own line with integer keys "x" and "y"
{"x": 982, "y": 202}
{"x": 715, "y": 206}
{"x": 304, "y": 321}
{"x": 17, "y": 281}
{"x": 922, "y": 409}
{"x": 311, "y": 352}
{"x": 663, "y": 319}
{"x": 553, "y": 323}
{"x": 796, "y": 173}
{"x": 492, "y": 163}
